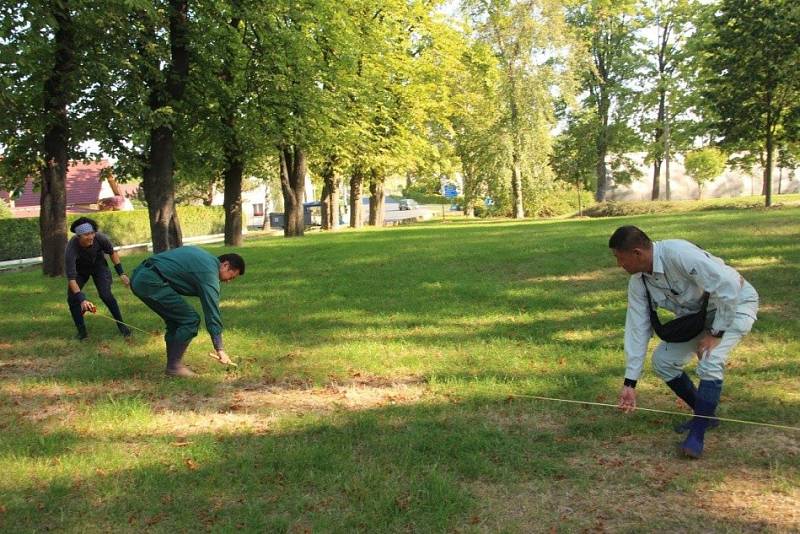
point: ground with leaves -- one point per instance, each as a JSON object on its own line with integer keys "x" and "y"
{"x": 377, "y": 391}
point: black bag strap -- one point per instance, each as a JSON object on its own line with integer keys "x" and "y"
{"x": 654, "y": 316}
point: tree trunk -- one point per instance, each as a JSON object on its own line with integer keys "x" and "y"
{"x": 293, "y": 178}
{"x": 330, "y": 195}
{"x": 159, "y": 183}
{"x": 667, "y": 188}
{"x": 234, "y": 154}
{"x": 656, "y": 192}
{"x": 469, "y": 194}
{"x": 376, "y": 198}
{"x": 233, "y": 200}
{"x": 602, "y": 147}
{"x": 516, "y": 186}
{"x": 768, "y": 167}
{"x": 356, "y": 183}
{"x": 53, "y": 200}
{"x": 159, "y": 191}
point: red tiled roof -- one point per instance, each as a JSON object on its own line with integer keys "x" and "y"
{"x": 83, "y": 185}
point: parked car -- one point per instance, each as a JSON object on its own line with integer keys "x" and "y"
{"x": 408, "y": 204}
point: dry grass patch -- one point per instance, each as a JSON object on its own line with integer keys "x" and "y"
{"x": 588, "y": 276}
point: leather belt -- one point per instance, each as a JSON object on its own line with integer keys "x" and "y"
{"x": 150, "y": 265}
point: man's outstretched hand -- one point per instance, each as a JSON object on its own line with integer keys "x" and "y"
{"x": 222, "y": 357}
{"x": 627, "y": 399}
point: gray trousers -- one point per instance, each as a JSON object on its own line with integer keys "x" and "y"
{"x": 669, "y": 359}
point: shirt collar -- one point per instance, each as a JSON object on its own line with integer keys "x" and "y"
{"x": 658, "y": 263}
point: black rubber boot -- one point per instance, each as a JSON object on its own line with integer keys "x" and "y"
{"x": 82, "y": 334}
{"x": 684, "y": 388}
{"x": 175, "y": 367}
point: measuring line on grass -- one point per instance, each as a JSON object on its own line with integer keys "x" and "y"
{"x": 121, "y": 322}
{"x": 758, "y": 423}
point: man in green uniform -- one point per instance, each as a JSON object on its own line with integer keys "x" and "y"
{"x": 159, "y": 282}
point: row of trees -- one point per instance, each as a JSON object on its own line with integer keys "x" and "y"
{"x": 355, "y": 91}
{"x": 671, "y": 74}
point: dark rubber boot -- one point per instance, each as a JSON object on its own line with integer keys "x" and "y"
{"x": 175, "y": 367}
{"x": 684, "y": 388}
{"x": 82, "y": 334}
{"x": 705, "y": 405}
{"x": 682, "y": 428}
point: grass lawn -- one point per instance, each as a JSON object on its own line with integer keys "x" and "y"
{"x": 375, "y": 393}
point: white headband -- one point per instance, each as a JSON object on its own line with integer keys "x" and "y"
{"x": 84, "y": 228}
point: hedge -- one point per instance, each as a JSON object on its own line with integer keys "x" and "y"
{"x": 649, "y": 207}
{"x": 21, "y": 236}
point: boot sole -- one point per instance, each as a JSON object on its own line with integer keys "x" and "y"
{"x": 683, "y": 428}
{"x": 690, "y": 453}
{"x": 180, "y": 375}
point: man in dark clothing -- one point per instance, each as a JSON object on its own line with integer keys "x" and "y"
{"x": 84, "y": 258}
{"x": 190, "y": 271}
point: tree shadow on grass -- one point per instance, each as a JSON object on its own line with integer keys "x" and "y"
{"x": 391, "y": 469}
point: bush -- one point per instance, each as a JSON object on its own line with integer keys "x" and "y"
{"x": 554, "y": 199}
{"x": 647, "y": 207}
{"x": 21, "y": 236}
{"x": 5, "y": 210}
{"x": 429, "y": 198}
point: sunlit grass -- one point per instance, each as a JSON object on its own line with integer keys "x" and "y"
{"x": 381, "y": 387}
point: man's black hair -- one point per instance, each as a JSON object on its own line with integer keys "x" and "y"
{"x": 234, "y": 260}
{"x": 627, "y": 238}
{"x": 81, "y": 220}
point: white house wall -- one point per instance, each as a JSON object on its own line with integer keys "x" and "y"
{"x": 731, "y": 183}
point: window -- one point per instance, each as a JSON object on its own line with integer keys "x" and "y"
{"x": 258, "y": 210}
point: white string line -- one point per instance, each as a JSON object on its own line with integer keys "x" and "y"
{"x": 759, "y": 423}
{"x": 120, "y": 322}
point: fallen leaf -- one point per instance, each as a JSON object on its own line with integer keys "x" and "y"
{"x": 191, "y": 464}
{"x": 155, "y": 519}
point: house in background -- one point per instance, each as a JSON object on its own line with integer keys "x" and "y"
{"x": 85, "y": 188}
{"x": 257, "y": 202}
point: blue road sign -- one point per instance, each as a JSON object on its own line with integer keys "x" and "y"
{"x": 450, "y": 191}
{"x": 488, "y": 201}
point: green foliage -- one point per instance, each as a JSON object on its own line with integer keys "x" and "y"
{"x": 515, "y": 105}
{"x": 123, "y": 227}
{"x": 626, "y": 209}
{"x": 704, "y": 165}
{"x": 574, "y": 159}
{"x": 395, "y": 401}
{"x": 5, "y": 210}
{"x": 20, "y": 238}
{"x": 749, "y": 63}
{"x": 554, "y": 199}
{"x": 609, "y": 30}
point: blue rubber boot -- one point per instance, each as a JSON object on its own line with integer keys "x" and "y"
{"x": 705, "y": 405}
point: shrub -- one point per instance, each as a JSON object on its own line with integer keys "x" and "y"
{"x": 5, "y": 210}
{"x": 554, "y": 199}
{"x": 21, "y": 236}
{"x": 646, "y": 207}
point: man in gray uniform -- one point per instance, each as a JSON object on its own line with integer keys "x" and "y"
{"x": 714, "y": 306}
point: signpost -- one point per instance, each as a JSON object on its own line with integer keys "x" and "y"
{"x": 449, "y": 191}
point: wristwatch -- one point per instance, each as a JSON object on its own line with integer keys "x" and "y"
{"x": 716, "y": 333}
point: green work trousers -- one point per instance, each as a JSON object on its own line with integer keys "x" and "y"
{"x": 181, "y": 320}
